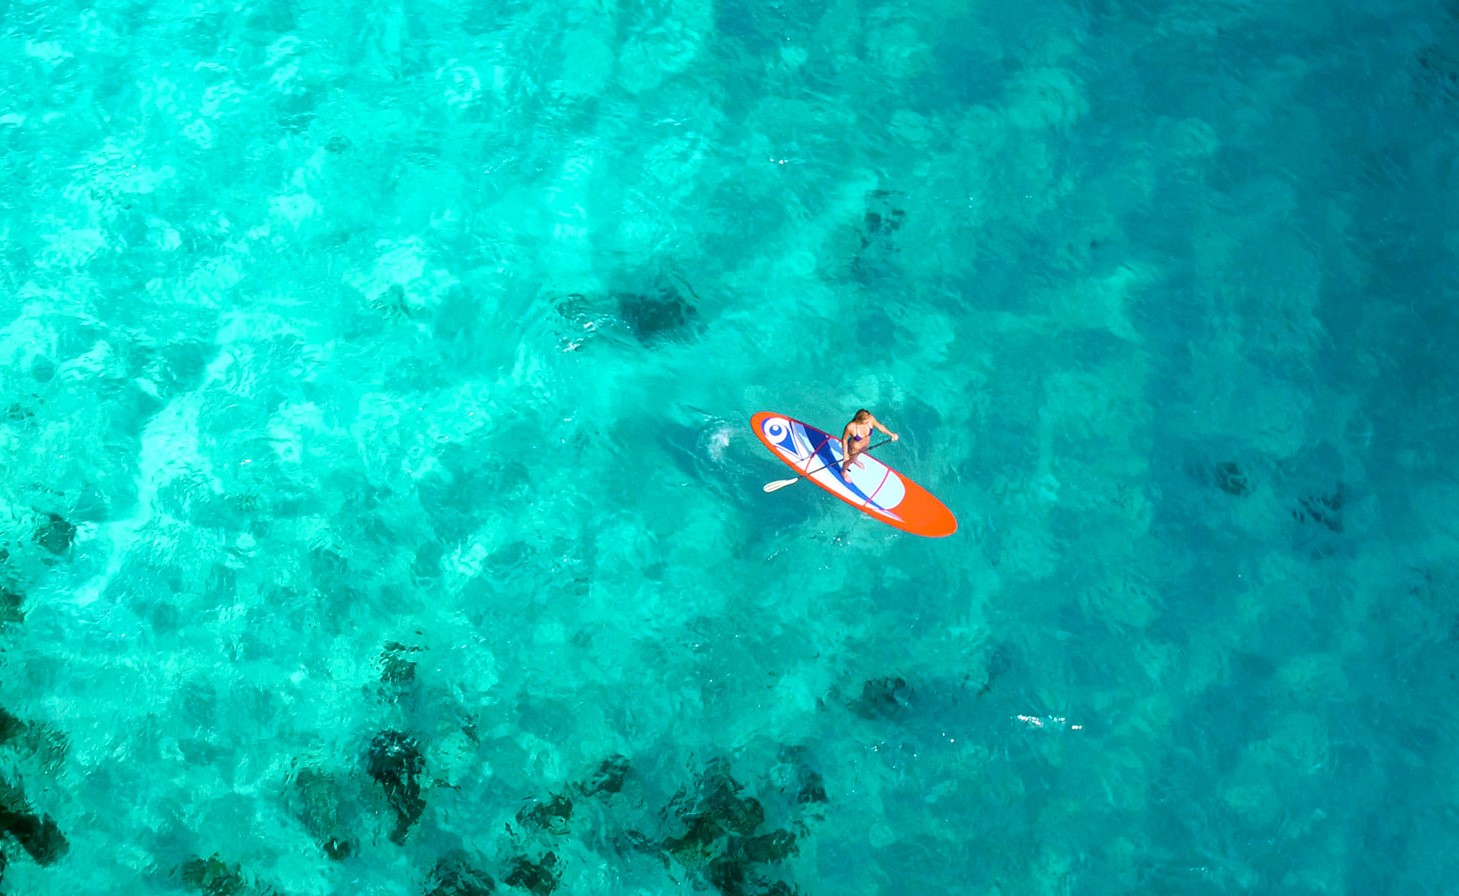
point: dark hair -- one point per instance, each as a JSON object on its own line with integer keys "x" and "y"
{"x": 861, "y": 415}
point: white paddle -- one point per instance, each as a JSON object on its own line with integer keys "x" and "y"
{"x": 779, "y": 484}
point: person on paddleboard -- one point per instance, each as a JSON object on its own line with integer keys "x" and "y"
{"x": 857, "y": 435}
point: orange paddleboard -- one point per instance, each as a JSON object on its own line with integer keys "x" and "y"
{"x": 873, "y": 488}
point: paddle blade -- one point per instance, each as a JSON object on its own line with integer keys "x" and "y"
{"x": 779, "y": 484}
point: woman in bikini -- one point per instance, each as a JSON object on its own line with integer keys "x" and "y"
{"x": 854, "y": 438}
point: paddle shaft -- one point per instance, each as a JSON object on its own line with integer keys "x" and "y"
{"x": 782, "y": 483}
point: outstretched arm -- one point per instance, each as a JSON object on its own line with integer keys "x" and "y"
{"x": 877, "y": 423}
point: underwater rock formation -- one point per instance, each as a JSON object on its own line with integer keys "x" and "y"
{"x": 883, "y": 698}
{"x": 213, "y": 876}
{"x": 396, "y": 670}
{"x": 1323, "y": 509}
{"x": 735, "y": 876}
{"x": 653, "y": 315}
{"x": 608, "y": 779}
{"x": 812, "y": 787}
{"x": 717, "y": 831}
{"x": 10, "y": 726}
{"x": 882, "y": 218}
{"x": 663, "y": 310}
{"x": 10, "y": 601}
{"x": 19, "y": 413}
{"x": 1316, "y": 477}
{"x": 38, "y": 835}
{"x": 56, "y": 534}
{"x": 721, "y": 836}
{"x": 551, "y": 816}
{"x": 879, "y": 226}
{"x": 337, "y": 849}
{"x": 395, "y": 762}
{"x": 316, "y": 798}
{"x": 456, "y": 874}
{"x": 715, "y": 810}
{"x": 1228, "y": 476}
{"x": 44, "y": 745}
{"x": 539, "y": 878}
{"x": 1232, "y": 480}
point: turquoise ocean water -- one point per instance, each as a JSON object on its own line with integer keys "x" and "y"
{"x": 379, "y": 514}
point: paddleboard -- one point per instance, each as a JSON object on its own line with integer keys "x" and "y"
{"x": 873, "y": 488}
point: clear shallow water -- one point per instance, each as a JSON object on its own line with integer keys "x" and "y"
{"x": 375, "y": 462}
